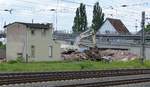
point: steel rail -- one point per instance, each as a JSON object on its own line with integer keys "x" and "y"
{"x": 16, "y": 78}
{"x": 110, "y": 83}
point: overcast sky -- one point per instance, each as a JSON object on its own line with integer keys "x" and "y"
{"x": 39, "y": 11}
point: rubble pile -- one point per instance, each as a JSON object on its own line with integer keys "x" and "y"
{"x": 120, "y": 55}
{"x": 96, "y": 54}
{"x": 75, "y": 56}
{"x": 93, "y": 54}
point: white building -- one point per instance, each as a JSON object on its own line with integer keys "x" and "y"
{"x": 113, "y": 26}
{"x": 31, "y": 41}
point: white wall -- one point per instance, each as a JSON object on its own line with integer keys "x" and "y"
{"x": 16, "y": 34}
{"x": 42, "y": 43}
{"x": 107, "y": 26}
{"x": 20, "y": 40}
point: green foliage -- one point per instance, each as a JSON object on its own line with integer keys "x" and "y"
{"x": 75, "y": 27}
{"x": 147, "y": 29}
{"x": 2, "y": 45}
{"x": 80, "y": 20}
{"x": 86, "y": 65}
{"x": 12, "y": 62}
{"x": 98, "y": 17}
{"x": 15, "y": 66}
{"x": 20, "y": 60}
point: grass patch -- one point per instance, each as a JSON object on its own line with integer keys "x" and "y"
{"x": 69, "y": 66}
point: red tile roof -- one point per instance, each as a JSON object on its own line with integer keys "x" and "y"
{"x": 118, "y": 25}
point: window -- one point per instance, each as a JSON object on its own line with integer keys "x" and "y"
{"x": 71, "y": 42}
{"x": 50, "y": 51}
{"x": 32, "y": 32}
{"x": 32, "y": 51}
{"x": 107, "y": 32}
{"x": 19, "y": 55}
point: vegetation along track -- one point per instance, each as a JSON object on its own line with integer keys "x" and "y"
{"x": 16, "y": 78}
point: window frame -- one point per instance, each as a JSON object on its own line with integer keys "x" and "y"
{"x": 32, "y": 51}
{"x": 50, "y": 51}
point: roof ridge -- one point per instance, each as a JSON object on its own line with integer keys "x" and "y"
{"x": 113, "y": 19}
{"x": 118, "y": 25}
{"x": 33, "y": 25}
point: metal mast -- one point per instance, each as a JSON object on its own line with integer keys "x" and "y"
{"x": 143, "y": 38}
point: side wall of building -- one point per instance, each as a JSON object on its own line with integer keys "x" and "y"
{"x": 45, "y": 49}
{"x": 16, "y": 38}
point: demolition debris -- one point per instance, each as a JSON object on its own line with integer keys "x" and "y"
{"x": 99, "y": 55}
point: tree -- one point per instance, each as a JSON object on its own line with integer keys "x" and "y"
{"x": 147, "y": 28}
{"x": 83, "y": 18}
{"x": 75, "y": 27}
{"x": 98, "y": 17}
{"x": 2, "y": 45}
{"x": 80, "y": 20}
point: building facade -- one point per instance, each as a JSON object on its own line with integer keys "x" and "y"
{"x": 31, "y": 41}
{"x": 114, "y": 27}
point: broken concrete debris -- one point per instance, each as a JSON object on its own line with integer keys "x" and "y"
{"x": 97, "y": 54}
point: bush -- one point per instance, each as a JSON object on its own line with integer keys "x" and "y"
{"x": 12, "y": 61}
{"x": 20, "y": 60}
{"x": 85, "y": 66}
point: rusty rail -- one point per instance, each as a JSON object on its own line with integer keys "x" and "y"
{"x": 16, "y": 78}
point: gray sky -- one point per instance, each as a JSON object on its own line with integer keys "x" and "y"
{"x": 39, "y": 10}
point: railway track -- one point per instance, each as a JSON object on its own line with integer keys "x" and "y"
{"x": 17, "y": 78}
{"x": 110, "y": 83}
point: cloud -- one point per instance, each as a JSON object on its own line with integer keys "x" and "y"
{"x": 39, "y": 10}
{"x": 4, "y": 3}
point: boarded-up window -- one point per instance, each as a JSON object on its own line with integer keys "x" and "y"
{"x": 32, "y": 32}
{"x": 32, "y": 51}
{"x": 50, "y": 51}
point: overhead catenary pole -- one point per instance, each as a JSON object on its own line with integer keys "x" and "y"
{"x": 143, "y": 38}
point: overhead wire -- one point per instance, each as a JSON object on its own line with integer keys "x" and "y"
{"x": 44, "y": 4}
{"x": 47, "y": 4}
{"x": 107, "y": 3}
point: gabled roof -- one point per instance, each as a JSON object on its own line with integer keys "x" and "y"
{"x": 118, "y": 25}
{"x": 32, "y": 25}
